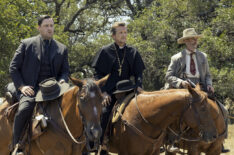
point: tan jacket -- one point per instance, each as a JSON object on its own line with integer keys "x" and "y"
{"x": 176, "y": 69}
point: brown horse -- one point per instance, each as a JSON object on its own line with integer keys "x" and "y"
{"x": 142, "y": 126}
{"x": 81, "y": 109}
{"x": 191, "y": 141}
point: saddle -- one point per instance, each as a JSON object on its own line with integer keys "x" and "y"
{"x": 38, "y": 121}
{"x": 115, "y": 115}
{"x": 119, "y": 108}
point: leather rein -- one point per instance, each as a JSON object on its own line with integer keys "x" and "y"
{"x": 66, "y": 133}
{"x": 67, "y": 129}
{"x": 154, "y": 141}
{"x": 181, "y": 132}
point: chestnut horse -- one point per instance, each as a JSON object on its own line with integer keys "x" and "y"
{"x": 142, "y": 126}
{"x": 191, "y": 141}
{"x": 80, "y": 109}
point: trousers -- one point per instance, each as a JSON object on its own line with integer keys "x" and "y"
{"x": 22, "y": 117}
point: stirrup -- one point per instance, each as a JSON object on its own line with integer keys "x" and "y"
{"x": 15, "y": 151}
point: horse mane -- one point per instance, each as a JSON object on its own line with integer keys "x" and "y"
{"x": 90, "y": 86}
{"x": 164, "y": 92}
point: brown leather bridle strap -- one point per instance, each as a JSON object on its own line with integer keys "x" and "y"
{"x": 195, "y": 139}
{"x": 187, "y": 106}
{"x": 58, "y": 127}
{"x": 183, "y": 138}
{"x": 139, "y": 132}
{"x": 139, "y": 110}
{"x": 68, "y": 131}
{"x": 154, "y": 141}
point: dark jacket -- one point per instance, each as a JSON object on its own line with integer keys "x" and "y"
{"x": 25, "y": 65}
{"x": 106, "y": 62}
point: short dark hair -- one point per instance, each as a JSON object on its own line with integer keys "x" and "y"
{"x": 115, "y": 25}
{"x": 41, "y": 18}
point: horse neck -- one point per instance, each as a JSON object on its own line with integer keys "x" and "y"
{"x": 166, "y": 107}
{"x": 217, "y": 116}
{"x": 71, "y": 112}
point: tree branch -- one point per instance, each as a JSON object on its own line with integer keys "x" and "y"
{"x": 131, "y": 7}
{"x": 69, "y": 24}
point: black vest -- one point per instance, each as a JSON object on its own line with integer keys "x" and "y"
{"x": 45, "y": 67}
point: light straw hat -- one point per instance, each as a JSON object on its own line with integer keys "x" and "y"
{"x": 188, "y": 33}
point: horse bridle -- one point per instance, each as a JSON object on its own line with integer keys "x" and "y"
{"x": 82, "y": 116}
{"x": 190, "y": 104}
{"x": 69, "y": 132}
{"x": 76, "y": 140}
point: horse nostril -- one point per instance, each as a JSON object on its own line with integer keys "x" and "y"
{"x": 214, "y": 136}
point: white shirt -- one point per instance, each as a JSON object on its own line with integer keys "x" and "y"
{"x": 188, "y": 73}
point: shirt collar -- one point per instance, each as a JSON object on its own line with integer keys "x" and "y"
{"x": 189, "y": 52}
{"x": 42, "y": 39}
{"x": 118, "y": 47}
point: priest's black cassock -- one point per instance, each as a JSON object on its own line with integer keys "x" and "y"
{"x": 106, "y": 62}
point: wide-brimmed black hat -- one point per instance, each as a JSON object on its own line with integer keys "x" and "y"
{"x": 124, "y": 86}
{"x": 50, "y": 89}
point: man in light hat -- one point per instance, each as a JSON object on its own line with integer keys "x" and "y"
{"x": 189, "y": 64}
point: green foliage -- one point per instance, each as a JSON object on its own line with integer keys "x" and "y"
{"x": 18, "y": 20}
{"x": 13, "y": 27}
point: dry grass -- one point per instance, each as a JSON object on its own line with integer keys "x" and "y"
{"x": 229, "y": 143}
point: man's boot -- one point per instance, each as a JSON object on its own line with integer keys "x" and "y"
{"x": 224, "y": 150}
{"x": 17, "y": 150}
{"x": 103, "y": 152}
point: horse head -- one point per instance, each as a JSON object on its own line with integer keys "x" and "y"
{"x": 89, "y": 105}
{"x": 198, "y": 115}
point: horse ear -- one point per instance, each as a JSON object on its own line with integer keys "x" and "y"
{"x": 192, "y": 91}
{"x": 198, "y": 87}
{"x": 77, "y": 82}
{"x": 102, "y": 81}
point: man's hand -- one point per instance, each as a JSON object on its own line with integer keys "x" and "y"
{"x": 210, "y": 89}
{"x": 27, "y": 90}
{"x": 185, "y": 84}
{"x": 107, "y": 99}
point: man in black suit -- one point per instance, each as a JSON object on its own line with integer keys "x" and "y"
{"x": 35, "y": 60}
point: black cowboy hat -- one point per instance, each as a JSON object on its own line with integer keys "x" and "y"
{"x": 50, "y": 89}
{"x": 124, "y": 86}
